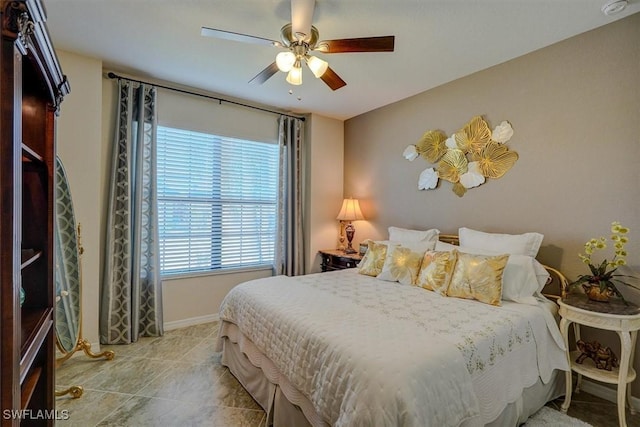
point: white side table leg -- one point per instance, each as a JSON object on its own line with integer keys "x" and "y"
{"x": 576, "y": 333}
{"x": 634, "y": 336}
{"x": 564, "y": 329}
{"x": 625, "y": 344}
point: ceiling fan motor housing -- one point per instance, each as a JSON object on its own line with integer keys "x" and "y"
{"x": 288, "y": 38}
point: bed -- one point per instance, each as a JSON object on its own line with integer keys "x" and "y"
{"x": 349, "y": 349}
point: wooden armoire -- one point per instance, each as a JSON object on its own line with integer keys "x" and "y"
{"x": 31, "y": 89}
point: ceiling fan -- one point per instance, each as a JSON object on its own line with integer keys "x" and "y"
{"x": 300, "y": 38}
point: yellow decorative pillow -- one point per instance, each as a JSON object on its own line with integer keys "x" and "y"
{"x": 478, "y": 277}
{"x": 401, "y": 265}
{"x": 373, "y": 260}
{"x": 436, "y": 270}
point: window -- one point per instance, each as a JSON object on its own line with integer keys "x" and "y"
{"x": 216, "y": 201}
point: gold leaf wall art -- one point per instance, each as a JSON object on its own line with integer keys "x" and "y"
{"x": 431, "y": 146}
{"x": 452, "y": 165}
{"x": 466, "y": 158}
{"x": 495, "y": 159}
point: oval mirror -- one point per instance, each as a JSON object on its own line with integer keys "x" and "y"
{"x": 67, "y": 262}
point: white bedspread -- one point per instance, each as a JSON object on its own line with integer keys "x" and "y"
{"x": 371, "y": 353}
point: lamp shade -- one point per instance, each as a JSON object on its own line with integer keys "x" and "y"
{"x": 350, "y": 210}
{"x": 295, "y": 75}
{"x": 317, "y": 66}
{"x": 285, "y": 61}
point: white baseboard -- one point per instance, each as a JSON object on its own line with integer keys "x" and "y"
{"x": 177, "y": 324}
{"x": 604, "y": 392}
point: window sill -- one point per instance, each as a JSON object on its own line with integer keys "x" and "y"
{"x": 222, "y": 271}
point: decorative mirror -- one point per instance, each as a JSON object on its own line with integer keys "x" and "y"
{"x": 68, "y": 279}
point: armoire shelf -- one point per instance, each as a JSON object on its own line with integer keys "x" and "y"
{"x": 28, "y": 256}
{"x": 32, "y": 87}
{"x": 29, "y": 155}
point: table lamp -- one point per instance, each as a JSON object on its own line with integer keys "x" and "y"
{"x": 350, "y": 212}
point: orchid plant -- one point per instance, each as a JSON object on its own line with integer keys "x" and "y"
{"x": 603, "y": 274}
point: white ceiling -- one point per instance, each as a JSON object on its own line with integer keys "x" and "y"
{"x": 437, "y": 41}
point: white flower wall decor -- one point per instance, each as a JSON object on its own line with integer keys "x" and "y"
{"x": 466, "y": 158}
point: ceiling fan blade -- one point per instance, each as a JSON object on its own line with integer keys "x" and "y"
{"x": 332, "y": 79}
{"x": 237, "y": 37}
{"x": 301, "y": 17}
{"x": 363, "y": 44}
{"x": 265, "y": 74}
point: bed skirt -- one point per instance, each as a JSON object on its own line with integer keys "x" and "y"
{"x": 286, "y": 406}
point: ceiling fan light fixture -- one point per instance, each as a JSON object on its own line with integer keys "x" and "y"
{"x": 295, "y": 74}
{"x": 285, "y": 61}
{"x": 317, "y": 66}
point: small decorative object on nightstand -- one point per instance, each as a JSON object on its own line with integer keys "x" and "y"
{"x": 614, "y": 316}
{"x": 350, "y": 212}
{"x": 364, "y": 246}
{"x": 333, "y": 259}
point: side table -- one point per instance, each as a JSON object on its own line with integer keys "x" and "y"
{"x": 615, "y": 316}
{"x": 335, "y": 259}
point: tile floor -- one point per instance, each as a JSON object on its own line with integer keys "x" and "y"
{"x": 177, "y": 380}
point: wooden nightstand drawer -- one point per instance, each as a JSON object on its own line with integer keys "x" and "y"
{"x": 333, "y": 259}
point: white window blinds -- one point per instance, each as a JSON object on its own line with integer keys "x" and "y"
{"x": 216, "y": 201}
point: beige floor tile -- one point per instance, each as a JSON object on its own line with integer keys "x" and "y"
{"x": 128, "y": 374}
{"x": 595, "y": 410}
{"x": 229, "y": 392}
{"x": 187, "y": 382}
{"x": 144, "y": 411}
{"x": 90, "y": 408}
{"x": 203, "y": 330}
{"x": 169, "y": 347}
{"x": 79, "y": 369}
{"x": 203, "y": 353}
{"x": 121, "y": 350}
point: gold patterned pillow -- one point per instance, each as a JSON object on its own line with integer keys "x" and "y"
{"x": 436, "y": 270}
{"x": 478, "y": 277}
{"x": 373, "y": 260}
{"x": 401, "y": 265}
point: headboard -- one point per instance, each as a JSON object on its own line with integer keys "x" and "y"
{"x": 557, "y": 286}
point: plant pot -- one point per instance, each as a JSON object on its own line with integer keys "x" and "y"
{"x": 594, "y": 293}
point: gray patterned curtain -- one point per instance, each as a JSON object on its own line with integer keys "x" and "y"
{"x": 131, "y": 298}
{"x": 289, "y": 257}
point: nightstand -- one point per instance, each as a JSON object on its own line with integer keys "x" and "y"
{"x": 612, "y": 316}
{"x": 335, "y": 259}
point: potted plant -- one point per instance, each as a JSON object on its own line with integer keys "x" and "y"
{"x": 600, "y": 285}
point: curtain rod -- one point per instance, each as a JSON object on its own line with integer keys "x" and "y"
{"x": 113, "y": 75}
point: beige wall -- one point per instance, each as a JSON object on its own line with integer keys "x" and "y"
{"x": 325, "y": 172}
{"x": 78, "y": 146}
{"x": 575, "y": 110}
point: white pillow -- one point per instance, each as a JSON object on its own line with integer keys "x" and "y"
{"x": 523, "y": 275}
{"x": 445, "y": 247}
{"x": 512, "y": 244}
{"x": 405, "y": 235}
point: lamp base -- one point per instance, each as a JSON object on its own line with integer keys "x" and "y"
{"x": 350, "y": 230}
